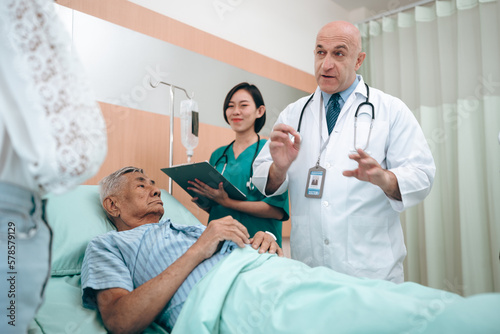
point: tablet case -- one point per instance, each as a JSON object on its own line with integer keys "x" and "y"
{"x": 207, "y": 174}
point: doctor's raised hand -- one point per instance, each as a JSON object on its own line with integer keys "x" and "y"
{"x": 284, "y": 151}
{"x": 369, "y": 170}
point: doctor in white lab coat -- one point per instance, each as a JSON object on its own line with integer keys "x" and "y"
{"x": 353, "y": 226}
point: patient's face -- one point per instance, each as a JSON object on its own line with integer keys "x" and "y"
{"x": 139, "y": 201}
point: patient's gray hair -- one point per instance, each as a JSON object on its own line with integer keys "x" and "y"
{"x": 110, "y": 185}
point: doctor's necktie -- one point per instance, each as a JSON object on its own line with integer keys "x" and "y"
{"x": 333, "y": 111}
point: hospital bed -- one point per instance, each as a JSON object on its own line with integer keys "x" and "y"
{"x": 75, "y": 218}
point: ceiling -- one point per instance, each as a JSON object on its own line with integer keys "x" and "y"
{"x": 374, "y": 7}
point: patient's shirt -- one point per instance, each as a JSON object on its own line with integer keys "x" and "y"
{"x": 130, "y": 258}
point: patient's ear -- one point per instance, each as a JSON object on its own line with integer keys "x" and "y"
{"x": 110, "y": 206}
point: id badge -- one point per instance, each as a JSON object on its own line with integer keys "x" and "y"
{"x": 315, "y": 182}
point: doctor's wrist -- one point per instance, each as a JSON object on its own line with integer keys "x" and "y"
{"x": 275, "y": 179}
{"x": 391, "y": 186}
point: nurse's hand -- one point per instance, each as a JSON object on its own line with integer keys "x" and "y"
{"x": 369, "y": 170}
{"x": 218, "y": 195}
{"x": 204, "y": 208}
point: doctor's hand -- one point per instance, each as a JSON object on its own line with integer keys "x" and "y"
{"x": 369, "y": 170}
{"x": 218, "y": 195}
{"x": 283, "y": 150}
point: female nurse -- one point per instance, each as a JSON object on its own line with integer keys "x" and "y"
{"x": 245, "y": 112}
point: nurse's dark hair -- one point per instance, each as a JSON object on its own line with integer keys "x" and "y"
{"x": 257, "y": 98}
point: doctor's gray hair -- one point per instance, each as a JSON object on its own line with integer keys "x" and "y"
{"x": 111, "y": 184}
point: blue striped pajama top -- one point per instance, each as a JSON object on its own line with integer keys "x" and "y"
{"x": 128, "y": 259}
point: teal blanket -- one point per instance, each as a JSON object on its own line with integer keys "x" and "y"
{"x": 262, "y": 293}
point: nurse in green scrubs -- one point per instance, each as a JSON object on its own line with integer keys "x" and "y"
{"x": 245, "y": 112}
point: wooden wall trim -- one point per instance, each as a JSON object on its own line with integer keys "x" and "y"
{"x": 142, "y": 139}
{"x": 132, "y": 16}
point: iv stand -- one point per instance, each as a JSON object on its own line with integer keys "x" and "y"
{"x": 171, "y": 152}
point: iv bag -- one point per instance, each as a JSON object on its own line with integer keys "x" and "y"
{"x": 189, "y": 126}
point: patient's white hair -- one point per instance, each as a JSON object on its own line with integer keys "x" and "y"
{"x": 110, "y": 185}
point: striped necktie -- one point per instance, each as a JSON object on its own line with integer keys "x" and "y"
{"x": 333, "y": 111}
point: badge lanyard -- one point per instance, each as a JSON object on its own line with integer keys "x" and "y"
{"x": 316, "y": 175}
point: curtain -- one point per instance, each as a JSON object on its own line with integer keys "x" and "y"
{"x": 443, "y": 61}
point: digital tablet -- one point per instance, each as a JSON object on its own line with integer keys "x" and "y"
{"x": 207, "y": 174}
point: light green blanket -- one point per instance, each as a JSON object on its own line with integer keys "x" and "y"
{"x": 252, "y": 293}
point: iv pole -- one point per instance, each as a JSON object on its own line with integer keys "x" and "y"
{"x": 171, "y": 152}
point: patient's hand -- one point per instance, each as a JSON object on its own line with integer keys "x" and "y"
{"x": 217, "y": 231}
{"x": 266, "y": 243}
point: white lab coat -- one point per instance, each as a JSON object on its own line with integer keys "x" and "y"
{"x": 354, "y": 228}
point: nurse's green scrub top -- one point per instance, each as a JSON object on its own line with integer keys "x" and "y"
{"x": 238, "y": 172}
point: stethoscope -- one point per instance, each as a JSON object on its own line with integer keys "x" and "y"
{"x": 367, "y": 102}
{"x": 249, "y": 184}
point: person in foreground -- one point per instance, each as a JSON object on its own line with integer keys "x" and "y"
{"x": 181, "y": 277}
{"x": 373, "y": 164}
{"x": 52, "y": 138}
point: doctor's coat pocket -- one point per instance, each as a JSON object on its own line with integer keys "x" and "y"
{"x": 368, "y": 243}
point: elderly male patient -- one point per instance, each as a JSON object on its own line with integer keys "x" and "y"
{"x": 144, "y": 272}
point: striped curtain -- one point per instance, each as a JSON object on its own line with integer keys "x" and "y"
{"x": 443, "y": 61}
